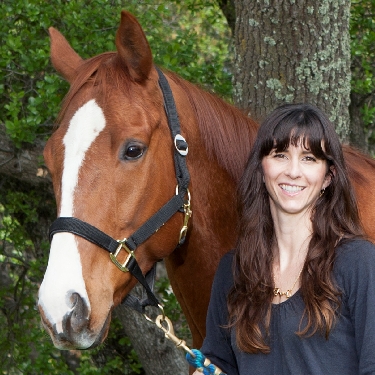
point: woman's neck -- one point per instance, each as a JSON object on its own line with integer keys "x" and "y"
{"x": 292, "y": 237}
{"x": 292, "y": 233}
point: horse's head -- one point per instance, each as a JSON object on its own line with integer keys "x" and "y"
{"x": 111, "y": 161}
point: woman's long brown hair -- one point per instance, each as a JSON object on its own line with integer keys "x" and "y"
{"x": 334, "y": 219}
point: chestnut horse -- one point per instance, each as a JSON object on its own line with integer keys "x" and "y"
{"x": 112, "y": 165}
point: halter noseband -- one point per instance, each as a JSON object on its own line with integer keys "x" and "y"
{"x": 179, "y": 202}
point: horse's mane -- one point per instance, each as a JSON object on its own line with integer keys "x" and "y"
{"x": 227, "y": 132}
{"x": 357, "y": 163}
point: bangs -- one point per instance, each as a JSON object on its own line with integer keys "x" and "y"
{"x": 295, "y": 129}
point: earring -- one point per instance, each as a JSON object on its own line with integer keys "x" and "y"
{"x": 322, "y": 192}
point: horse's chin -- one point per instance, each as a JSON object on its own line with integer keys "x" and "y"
{"x": 86, "y": 339}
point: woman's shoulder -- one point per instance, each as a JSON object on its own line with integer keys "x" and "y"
{"x": 355, "y": 248}
{"x": 226, "y": 261}
{"x": 355, "y": 255}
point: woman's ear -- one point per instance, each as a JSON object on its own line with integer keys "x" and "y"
{"x": 328, "y": 179}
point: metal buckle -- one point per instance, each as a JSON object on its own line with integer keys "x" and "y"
{"x": 188, "y": 212}
{"x": 179, "y": 137}
{"x": 122, "y": 267}
{"x": 161, "y": 321}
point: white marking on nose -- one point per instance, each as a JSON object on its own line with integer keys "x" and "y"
{"x": 64, "y": 271}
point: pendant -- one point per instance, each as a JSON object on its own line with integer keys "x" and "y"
{"x": 278, "y": 292}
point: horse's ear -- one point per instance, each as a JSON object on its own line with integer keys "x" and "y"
{"x": 133, "y": 48}
{"x": 64, "y": 59}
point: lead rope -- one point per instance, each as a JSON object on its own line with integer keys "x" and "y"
{"x": 202, "y": 364}
{"x": 194, "y": 356}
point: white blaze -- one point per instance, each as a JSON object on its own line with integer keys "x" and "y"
{"x": 64, "y": 271}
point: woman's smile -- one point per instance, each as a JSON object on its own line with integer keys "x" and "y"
{"x": 291, "y": 188}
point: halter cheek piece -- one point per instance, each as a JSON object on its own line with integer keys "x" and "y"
{"x": 180, "y": 202}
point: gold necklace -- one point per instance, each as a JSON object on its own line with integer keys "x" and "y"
{"x": 277, "y": 291}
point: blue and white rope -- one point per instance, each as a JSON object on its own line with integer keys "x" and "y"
{"x": 203, "y": 364}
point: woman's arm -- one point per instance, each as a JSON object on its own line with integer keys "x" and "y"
{"x": 217, "y": 345}
{"x": 357, "y": 272}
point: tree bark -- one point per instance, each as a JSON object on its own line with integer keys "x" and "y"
{"x": 156, "y": 353}
{"x": 293, "y": 51}
{"x": 24, "y": 164}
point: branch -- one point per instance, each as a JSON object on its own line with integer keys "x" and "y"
{"x": 23, "y": 164}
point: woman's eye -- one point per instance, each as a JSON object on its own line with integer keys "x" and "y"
{"x": 133, "y": 151}
{"x": 310, "y": 158}
{"x": 279, "y": 156}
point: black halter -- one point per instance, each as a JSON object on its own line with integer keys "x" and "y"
{"x": 179, "y": 202}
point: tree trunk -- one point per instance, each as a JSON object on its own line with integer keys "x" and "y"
{"x": 24, "y": 164}
{"x": 157, "y": 354}
{"x": 293, "y": 51}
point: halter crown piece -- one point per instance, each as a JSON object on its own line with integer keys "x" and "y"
{"x": 180, "y": 202}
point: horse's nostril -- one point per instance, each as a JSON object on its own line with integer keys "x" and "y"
{"x": 78, "y": 316}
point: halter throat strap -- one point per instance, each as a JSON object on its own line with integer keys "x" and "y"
{"x": 175, "y": 204}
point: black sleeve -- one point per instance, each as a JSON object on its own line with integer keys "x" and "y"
{"x": 217, "y": 344}
{"x": 356, "y": 273}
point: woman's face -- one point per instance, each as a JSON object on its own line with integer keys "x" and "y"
{"x": 294, "y": 179}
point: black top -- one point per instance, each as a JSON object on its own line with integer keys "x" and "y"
{"x": 350, "y": 348}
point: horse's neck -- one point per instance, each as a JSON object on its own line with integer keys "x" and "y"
{"x": 219, "y": 138}
{"x": 213, "y": 190}
{"x": 211, "y": 231}
{"x": 214, "y": 201}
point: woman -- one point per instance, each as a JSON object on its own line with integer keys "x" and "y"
{"x": 297, "y": 295}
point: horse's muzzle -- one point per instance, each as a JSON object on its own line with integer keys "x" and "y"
{"x": 76, "y": 333}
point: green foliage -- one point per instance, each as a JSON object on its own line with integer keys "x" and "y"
{"x": 362, "y": 32}
{"x": 24, "y": 346}
{"x": 193, "y": 44}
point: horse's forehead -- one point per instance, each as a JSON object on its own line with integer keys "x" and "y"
{"x": 120, "y": 113}
{"x": 131, "y": 106}
{"x": 79, "y": 125}
{"x": 87, "y": 122}
{"x": 84, "y": 127}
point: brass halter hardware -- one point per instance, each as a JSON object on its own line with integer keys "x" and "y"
{"x": 188, "y": 212}
{"x": 165, "y": 324}
{"x": 122, "y": 245}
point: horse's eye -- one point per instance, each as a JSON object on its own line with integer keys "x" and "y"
{"x": 133, "y": 151}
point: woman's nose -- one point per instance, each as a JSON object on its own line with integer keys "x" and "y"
{"x": 293, "y": 170}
